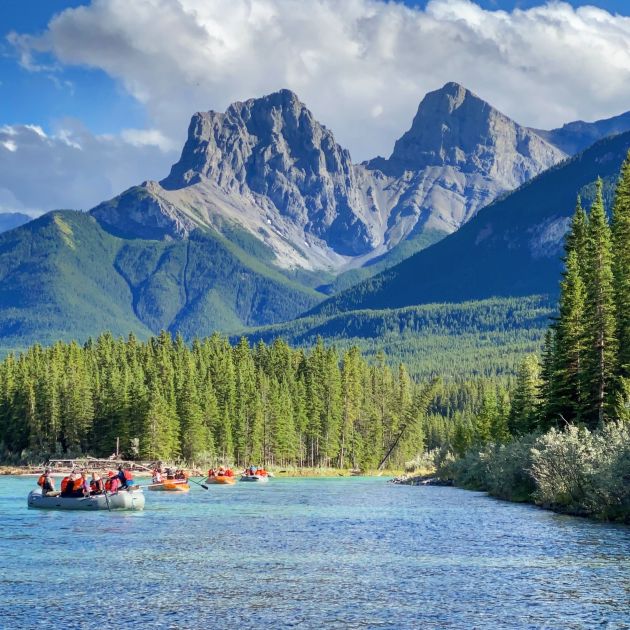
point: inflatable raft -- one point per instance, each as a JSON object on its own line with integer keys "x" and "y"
{"x": 122, "y": 500}
{"x": 170, "y": 486}
{"x": 224, "y": 479}
{"x": 258, "y": 478}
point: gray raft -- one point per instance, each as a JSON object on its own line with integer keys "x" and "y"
{"x": 122, "y": 500}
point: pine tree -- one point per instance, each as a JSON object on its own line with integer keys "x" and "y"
{"x": 621, "y": 266}
{"x": 486, "y": 419}
{"x": 194, "y": 439}
{"x": 524, "y": 410}
{"x": 351, "y": 403}
{"x": 571, "y": 343}
{"x": 601, "y": 342}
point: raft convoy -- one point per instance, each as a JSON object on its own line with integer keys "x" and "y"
{"x": 118, "y": 490}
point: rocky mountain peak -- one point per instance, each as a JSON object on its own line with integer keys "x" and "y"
{"x": 454, "y": 127}
{"x": 272, "y": 148}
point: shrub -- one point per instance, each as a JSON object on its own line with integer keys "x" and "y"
{"x": 574, "y": 470}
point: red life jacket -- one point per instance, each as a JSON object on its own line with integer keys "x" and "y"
{"x": 128, "y": 475}
{"x": 64, "y": 483}
{"x": 40, "y": 481}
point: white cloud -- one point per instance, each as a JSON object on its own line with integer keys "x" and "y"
{"x": 148, "y": 138}
{"x": 71, "y": 168}
{"x": 361, "y": 65}
{"x": 347, "y": 60}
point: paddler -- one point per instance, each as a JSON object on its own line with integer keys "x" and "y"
{"x": 112, "y": 483}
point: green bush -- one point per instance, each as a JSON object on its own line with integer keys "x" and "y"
{"x": 575, "y": 471}
{"x": 583, "y": 472}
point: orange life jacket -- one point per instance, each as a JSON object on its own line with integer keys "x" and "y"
{"x": 40, "y": 481}
{"x": 128, "y": 475}
{"x": 78, "y": 484}
{"x": 64, "y": 483}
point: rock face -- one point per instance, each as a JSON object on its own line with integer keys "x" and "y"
{"x": 266, "y": 165}
{"x": 272, "y": 150}
{"x": 513, "y": 247}
{"x": 459, "y": 154}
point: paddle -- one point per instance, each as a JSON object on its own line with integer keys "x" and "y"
{"x": 203, "y": 485}
{"x": 107, "y": 500}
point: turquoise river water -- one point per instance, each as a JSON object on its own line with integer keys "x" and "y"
{"x": 310, "y": 553}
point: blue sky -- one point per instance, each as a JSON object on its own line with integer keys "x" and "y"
{"x": 99, "y": 98}
{"x": 45, "y": 98}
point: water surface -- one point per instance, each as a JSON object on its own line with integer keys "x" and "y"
{"x": 311, "y": 553}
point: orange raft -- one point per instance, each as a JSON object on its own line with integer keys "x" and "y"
{"x": 224, "y": 479}
{"x": 170, "y": 485}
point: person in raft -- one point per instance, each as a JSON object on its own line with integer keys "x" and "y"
{"x": 85, "y": 484}
{"x": 157, "y": 476}
{"x": 113, "y": 482}
{"x": 125, "y": 477}
{"x": 97, "y": 485}
{"x": 47, "y": 483}
{"x": 73, "y": 486}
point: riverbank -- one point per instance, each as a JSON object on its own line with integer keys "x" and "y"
{"x": 275, "y": 471}
{"x": 576, "y": 471}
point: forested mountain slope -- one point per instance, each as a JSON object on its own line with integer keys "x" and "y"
{"x": 511, "y": 248}
{"x": 63, "y": 277}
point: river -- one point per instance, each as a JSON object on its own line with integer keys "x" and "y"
{"x": 310, "y": 553}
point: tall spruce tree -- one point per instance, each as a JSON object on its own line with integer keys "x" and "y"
{"x": 621, "y": 266}
{"x": 569, "y": 368}
{"x": 601, "y": 342}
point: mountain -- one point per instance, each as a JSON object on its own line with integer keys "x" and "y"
{"x": 462, "y": 153}
{"x": 62, "y": 276}
{"x": 511, "y": 248}
{"x": 262, "y": 206}
{"x": 269, "y": 167}
{"x": 10, "y": 220}
{"x": 576, "y": 136}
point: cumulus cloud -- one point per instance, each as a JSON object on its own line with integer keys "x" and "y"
{"x": 360, "y": 65}
{"x": 72, "y": 168}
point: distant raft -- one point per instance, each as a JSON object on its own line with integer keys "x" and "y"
{"x": 258, "y": 478}
{"x": 221, "y": 479}
{"x": 170, "y": 485}
{"x": 122, "y": 500}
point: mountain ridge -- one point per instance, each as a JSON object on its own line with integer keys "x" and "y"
{"x": 511, "y": 248}
{"x": 270, "y": 166}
